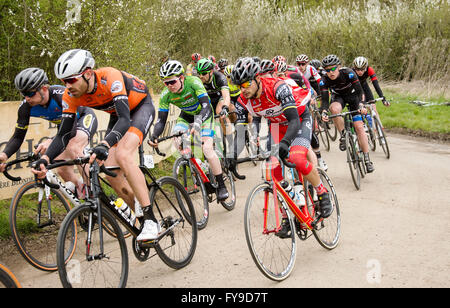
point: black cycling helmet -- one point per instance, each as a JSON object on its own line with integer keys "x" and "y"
{"x": 267, "y": 66}
{"x": 30, "y": 79}
{"x": 222, "y": 63}
{"x": 204, "y": 66}
{"x": 315, "y": 63}
{"x": 244, "y": 70}
{"x": 330, "y": 60}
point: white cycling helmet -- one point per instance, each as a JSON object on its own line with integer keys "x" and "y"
{"x": 360, "y": 62}
{"x": 302, "y": 58}
{"x": 73, "y": 62}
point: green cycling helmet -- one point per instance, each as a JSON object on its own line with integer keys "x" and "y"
{"x": 204, "y": 66}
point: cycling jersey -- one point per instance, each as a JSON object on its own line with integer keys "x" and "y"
{"x": 117, "y": 93}
{"x": 193, "y": 101}
{"x": 51, "y": 112}
{"x": 370, "y": 72}
{"x": 345, "y": 85}
{"x": 215, "y": 86}
{"x": 235, "y": 92}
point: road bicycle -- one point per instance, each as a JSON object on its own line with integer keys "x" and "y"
{"x": 355, "y": 156}
{"x": 266, "y": 206}
{"x": 99, "y": 258}
{"x": 375, "y": 129}
{"x": 35, "y": 215}
{"x": 320, "y": 127}
{"x": 7, "y": 278}
{"x": 330, "y": 128}
{"x": 198, "y": 180}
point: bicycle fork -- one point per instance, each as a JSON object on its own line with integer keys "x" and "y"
{"x": 44, "y": 191}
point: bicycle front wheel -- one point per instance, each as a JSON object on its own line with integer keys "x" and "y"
{"x": 35, "y": 215}
{"x": 7, "y": 278}
{"x": 353, "y": 160}
{"x": 93, "y": 264}
{"x": 175, "y": 213}
{"x": 228, "y": 180}
{"x": 326, "y": 231}
{"x": 382, "y": 137}
{"x": 274, "y": 255}
{"x": 190, "y": 178}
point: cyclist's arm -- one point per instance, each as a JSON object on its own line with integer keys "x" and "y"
{"x": 375, "y": 82}
{"x": 23, "y": 119}
{"x": 206, "y": 110}
{"x": 240, "y": 126}
{"x": 160, "y": 124}
{"x": 123, "y": 122}
{"x": 66, "y": 132}
{"x": 284, "y": 94}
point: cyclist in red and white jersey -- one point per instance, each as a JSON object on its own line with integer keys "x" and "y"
{"x": 290, "y": 121}
{"x": 309, "y": 72}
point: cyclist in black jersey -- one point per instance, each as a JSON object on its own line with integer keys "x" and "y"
{"x": 44, "y": 101}
{"x": 345, "y": 91}
{"x": 216, "y": 86}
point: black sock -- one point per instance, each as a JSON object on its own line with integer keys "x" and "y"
{"x": 219, "y": 179}
{"x": 148, "y": 213}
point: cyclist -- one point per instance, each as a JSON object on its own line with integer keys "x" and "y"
{"x": 318, "y": 66}
{"x": 222, "y": 64}
{"x": 189, "y": 94}
{"x": 309, "y": 72}
{"x": 290, "y": 121}
{"x": 364, "y": 71}
{"x": 42, "y": 100}
{"x": 281, "y": 72}
{"x": 127, "y": 100}
{"x": 190, "y": 69}
{"x": 216, "y": 85}
{"x": 346, "y": 91}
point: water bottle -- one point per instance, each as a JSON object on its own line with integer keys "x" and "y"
{"x": 369, "y": 120}
{"x": 204, "y": 166}
{"x": 288, "y": 188}
{"x": 299, "y": 194}
{"x": 120, "y": 204}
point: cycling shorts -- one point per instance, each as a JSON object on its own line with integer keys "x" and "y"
{"x": 183, "y": 122}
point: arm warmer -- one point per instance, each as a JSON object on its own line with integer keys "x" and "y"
{"x": 123, "y": 123}
{"x": 66, "y": 131}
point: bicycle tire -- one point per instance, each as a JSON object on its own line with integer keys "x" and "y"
{"x": 370, "y": 135}
{"x": 352, "y": 160}
{"x": 248, "y": 147}
{"x": 331, "y": 127}
{"x": 327, "y": 230}
{"x": 228, "y": 179}
{"x": 25, "y": 230}
{"x": 258, "y": 242}
{"x": 7, "y": 278}
{"x": 382, "y": 137}
{"x": 200, "y": 202}
{"x": 323, "y": 135}
{"x": 185, "y": 235}
{"x": 70, "y": 272}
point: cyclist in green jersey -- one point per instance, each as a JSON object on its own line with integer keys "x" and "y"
{"x": 189, "y": 94}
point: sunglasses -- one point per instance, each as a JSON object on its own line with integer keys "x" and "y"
{"x": 331, "y": 69}
{"x": 170, "y": 82}
{"x": 72, "y": 79}
{"x": 301, "y": 63}
{"x": 29, "y": 94}
{"x": 204, "y": 73}
{"x": 246, "y": 84}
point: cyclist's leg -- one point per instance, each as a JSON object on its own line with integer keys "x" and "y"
{"x": 353, "y": 105}
{"x": 336, "y": 106}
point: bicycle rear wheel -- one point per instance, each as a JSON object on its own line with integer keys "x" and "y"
{"x": 273, "y": 255}
{"x": 370, "y": 134}
{"x": 88, "y": 267}
{"x": 382, "y": 137}
{"x": 321, "y": 127}
{"x": 190, "y": 178}
{"x": 7, "y": 278}
{"x": 326, "y": 231}
{"x": 228, "y": 179}
{"x": 331, "y": 130}
{"x": 174, "y": 210}
{"x": 353, "y": 160}
{"x": 33, "y": 231}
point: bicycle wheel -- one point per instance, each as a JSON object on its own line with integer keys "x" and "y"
{"x": 7, "y": 278}
{"x": 326, "y": 231}
{"x": 251, "y": 151}
{"x": 370, "y": 135}
{"x": 228, "y": 179}
{"x": 352, "y": 159}
{"x": 89, "y": 266}
{"x": 321, "y": 126}
{"x": 331, "y": 130}
{"x": 176, "y": 216}
{"x": 190, "y": 178}
{"x": 34, "y": 222}
{"x": 273, "y": 255}
{"x": 381, "y": 137}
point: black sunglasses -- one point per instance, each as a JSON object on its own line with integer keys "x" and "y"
{"x": 204, "y": 73}
{"x": 170, "y": 82}
{"x": 29, "y": 94}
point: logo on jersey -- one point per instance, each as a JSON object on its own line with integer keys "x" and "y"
{"x": 65, "y": 105}
{"x": 351, "y": 75}
{"x": 116, "y": 87}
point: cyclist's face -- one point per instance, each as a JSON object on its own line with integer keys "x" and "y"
{"x": 80, "y": 86}
{"x": 174, "y": 85}
{"x": 205, "y": 77}
{"x": 249, "y": 88}
{"x": 332, "y": 71}
{"x": 359, "y": 71}
{"x": 37, "y": 99}
{"x": 302, "y": 66}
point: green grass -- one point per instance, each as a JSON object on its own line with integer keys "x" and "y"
{"x": 403, "y": 114}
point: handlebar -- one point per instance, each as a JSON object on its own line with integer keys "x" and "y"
{"x": 29, "y": 157}
{"x": 342, "y": 114}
